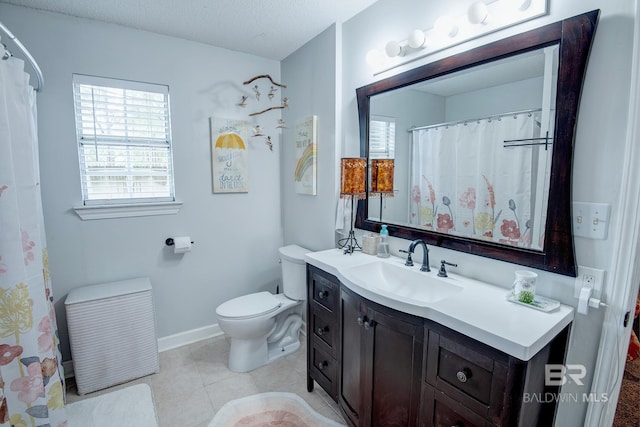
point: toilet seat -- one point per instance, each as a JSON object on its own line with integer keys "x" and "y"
{"x": 248, "y": 306}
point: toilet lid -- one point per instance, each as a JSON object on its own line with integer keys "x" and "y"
{"x": 249, "y": 305}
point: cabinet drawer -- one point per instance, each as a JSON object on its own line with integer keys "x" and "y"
{"x": 323, "y": 327}
{"x": 324, "y": 291}
{"x": 465, "y": 375}
{"x": 323, "y": 369}
{"x": 468, "y": 372}
{"x": 442, "y": 411}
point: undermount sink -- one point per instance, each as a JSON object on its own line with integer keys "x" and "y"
{"x": 400, "y": 281}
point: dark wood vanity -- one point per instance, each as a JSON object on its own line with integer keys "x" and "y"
{"x": 387, "y": 368}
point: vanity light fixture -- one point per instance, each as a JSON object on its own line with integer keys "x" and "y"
{"x": 417, "y": 39}
{"x": 482, "y": 17}
{"x": 518, "y": 4}
{"x": 353, "y": 178}
{"x": 394, "y": 49}
{"x": 478, "y": 13}
{"x": 446, "y": 26}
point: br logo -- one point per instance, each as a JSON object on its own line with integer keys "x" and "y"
{"x": 560, "y": 374}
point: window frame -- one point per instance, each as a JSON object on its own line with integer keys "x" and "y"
{"x": 129, "y": 206}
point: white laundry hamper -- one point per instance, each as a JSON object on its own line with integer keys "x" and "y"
{"x": 112, "y": 333}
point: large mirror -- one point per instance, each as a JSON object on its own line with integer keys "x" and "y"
{"x": 482, "y": 146}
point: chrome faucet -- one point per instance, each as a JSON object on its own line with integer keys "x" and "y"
{"x": 425, "y": 254}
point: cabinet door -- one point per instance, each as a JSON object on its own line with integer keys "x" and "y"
{"x": 351, "y": 391}
{"x": 381, "y": 362}
{"x": 395, "y": 348}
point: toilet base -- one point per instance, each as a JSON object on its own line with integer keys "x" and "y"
{"x": 276, "y": 353}
{"x": 248, "y": 354}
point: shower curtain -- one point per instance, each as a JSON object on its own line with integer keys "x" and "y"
{"x": 466, "y": 182}
{"x": 31, "y": 375}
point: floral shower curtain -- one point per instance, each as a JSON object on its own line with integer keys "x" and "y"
{"x": 466, "y": 182}
{"x": 31, "y": 375}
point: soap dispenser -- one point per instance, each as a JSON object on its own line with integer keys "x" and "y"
{"x": 383, "y": 246}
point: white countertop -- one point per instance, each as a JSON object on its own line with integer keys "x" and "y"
{"x": 481, "y": 311}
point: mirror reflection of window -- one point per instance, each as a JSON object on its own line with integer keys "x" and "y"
{"x": 382, "y": 137}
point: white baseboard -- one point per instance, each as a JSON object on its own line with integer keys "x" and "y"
{"x": 188, "y": 337}
{"x": 177, "y": 340}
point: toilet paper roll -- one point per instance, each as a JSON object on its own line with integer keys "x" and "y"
{"x": 181, "y": 244}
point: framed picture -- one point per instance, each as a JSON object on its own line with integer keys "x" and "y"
{"x": 229, "y": 156}
{"x": 306, "y": 156}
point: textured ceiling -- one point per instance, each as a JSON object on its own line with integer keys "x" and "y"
{"x": 268, "y": 28}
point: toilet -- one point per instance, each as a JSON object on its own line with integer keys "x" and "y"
{"x": 263, "y": 326}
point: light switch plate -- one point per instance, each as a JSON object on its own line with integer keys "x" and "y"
{"x": 590, "y": 220}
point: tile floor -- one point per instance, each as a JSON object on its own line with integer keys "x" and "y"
{"x": 194, "y": 382}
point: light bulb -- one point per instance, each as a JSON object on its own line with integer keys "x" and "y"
{"x": 417, "y": 39}
{"x": 520, "y": 5}
{"x": 478, "y": 13}
{"x": 446, "y": 26}
{"x": 375, "y": 58}
{"x": 393, "y": 49}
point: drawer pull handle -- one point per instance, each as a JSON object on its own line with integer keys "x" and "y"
{"x": 322, "y": 331}
{"x": 361, "y": 320}
{"x": 464, "y": 375}
{"x": 322, "y": 365}
{"x": 323, "y": 294}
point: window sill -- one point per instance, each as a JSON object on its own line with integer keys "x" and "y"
{"x": 87, "y": 213}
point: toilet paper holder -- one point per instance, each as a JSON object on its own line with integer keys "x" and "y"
{"x": 171, "y": 242}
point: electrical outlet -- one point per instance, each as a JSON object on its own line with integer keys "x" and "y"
{"x": 589, "y": 277}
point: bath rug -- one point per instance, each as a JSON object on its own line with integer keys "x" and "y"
{"x": 270, "y": 409}
{"x": 128, "y": 407}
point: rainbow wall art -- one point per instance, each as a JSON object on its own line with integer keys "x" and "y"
{"x": 306, "y": 156}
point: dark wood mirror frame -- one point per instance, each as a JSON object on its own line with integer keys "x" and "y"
{"x": 574, "y": 37}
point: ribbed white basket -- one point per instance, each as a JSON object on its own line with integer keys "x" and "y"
{"x": 112, "y": 333}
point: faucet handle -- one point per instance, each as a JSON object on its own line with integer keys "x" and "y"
{"x": 409, "y": 261}
{"x": 443, "y": 270}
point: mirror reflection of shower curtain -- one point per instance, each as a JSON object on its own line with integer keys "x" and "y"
{"x": 465, "y": 182}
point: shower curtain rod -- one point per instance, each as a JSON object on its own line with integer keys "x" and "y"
{"x": 26, "y": 53}
{"x": 457, "y": 122}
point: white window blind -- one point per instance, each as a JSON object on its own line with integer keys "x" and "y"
{"x": 382, "y": 137}
{"x": 124, "y": 140}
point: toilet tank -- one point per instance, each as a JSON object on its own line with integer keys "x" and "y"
{"x": 294, "y": 271}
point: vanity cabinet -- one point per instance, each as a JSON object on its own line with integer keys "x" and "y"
{"x": 468, "y": 383}
{"x": 388, "y": 368}
{"x": 323, "y": 293}
{"x": 380, "y": 363}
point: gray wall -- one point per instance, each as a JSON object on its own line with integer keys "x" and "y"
{"x": 311, "y": 77}
{"x": 236, "y": 235}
